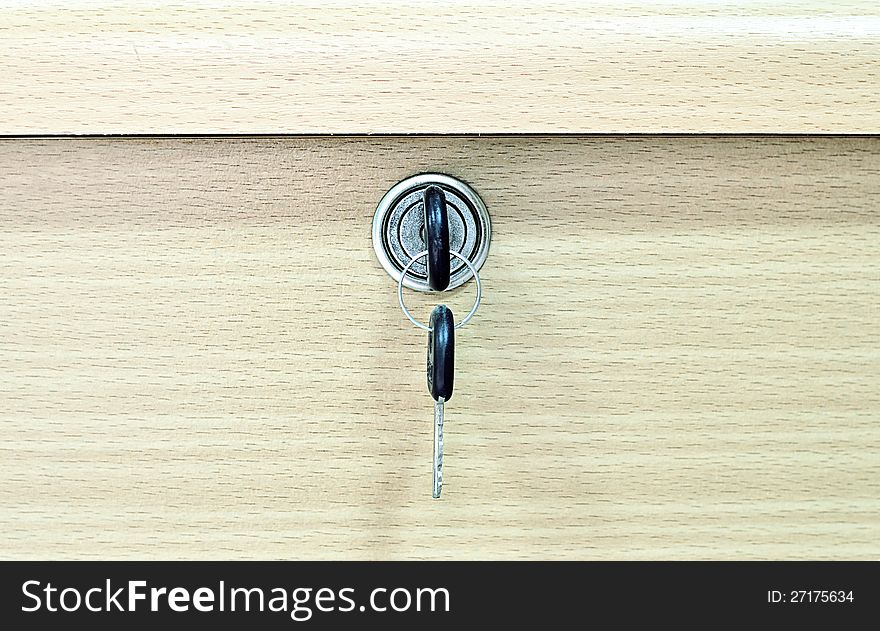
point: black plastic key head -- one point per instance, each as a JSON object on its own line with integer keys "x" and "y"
{"x": 441, "y": 353}
{"x": 437, "y": 238}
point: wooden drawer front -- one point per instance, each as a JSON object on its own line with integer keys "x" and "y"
{"x": 676, "y": 355}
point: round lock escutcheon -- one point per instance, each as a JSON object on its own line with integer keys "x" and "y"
{"x": 399, "y": 229}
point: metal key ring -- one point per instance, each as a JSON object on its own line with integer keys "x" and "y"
{"x": 470, "y": 314}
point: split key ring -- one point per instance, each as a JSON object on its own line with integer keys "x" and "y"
{"x": 470, "y": 314}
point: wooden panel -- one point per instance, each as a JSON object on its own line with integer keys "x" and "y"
{"x": 142, "y": 66}
{"x": 676, "y": 356}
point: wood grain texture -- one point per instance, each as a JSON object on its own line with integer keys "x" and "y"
{"x": 483, "y": 66}
{"x": 676, "y": 356}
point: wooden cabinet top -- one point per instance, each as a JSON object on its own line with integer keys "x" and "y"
{"x": 142, "y": 67}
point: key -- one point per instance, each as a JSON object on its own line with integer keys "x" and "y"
{"x": 441, "y": 373}
{"x": 436, "y": 238}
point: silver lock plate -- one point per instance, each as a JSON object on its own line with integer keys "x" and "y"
{"x": 399, "y": 229}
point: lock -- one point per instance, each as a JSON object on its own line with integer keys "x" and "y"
{"x": 431, "y": 233}
{"x": 399, "y": 230}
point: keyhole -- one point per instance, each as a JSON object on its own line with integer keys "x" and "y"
{"x": 399, "y": 231}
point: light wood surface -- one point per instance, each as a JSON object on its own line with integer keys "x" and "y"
{"x": 142, "y": 66}
{"x": 676, "y": 356}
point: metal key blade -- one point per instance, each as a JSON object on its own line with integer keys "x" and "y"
{"x": 438, "y": 447}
